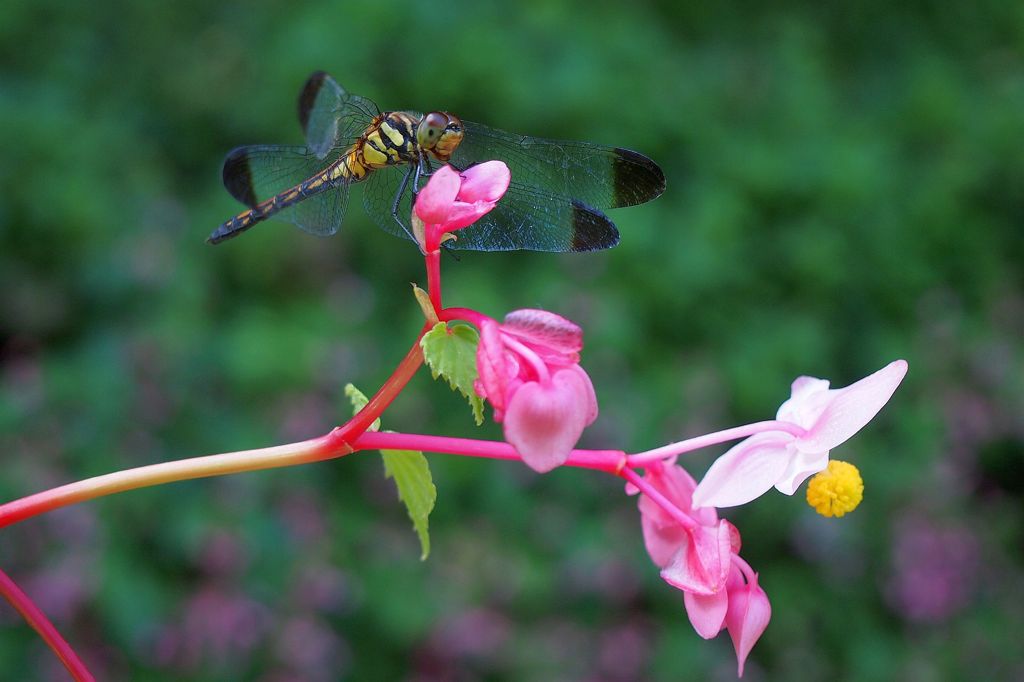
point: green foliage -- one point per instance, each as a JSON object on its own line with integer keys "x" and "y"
{"x": 359, "y": 400}
{"x": 411, "y": 473}
{"x": 450, "y": 352}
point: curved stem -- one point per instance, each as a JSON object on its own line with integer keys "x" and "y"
{"x": 334, "y": 444}
{"x": 610, "y": 461}
{"x": 678, "y": 448}
{"x": 472, "y": 316}
{"x": 324, "y": 447}
{"x": 539, "y": 368}
{"x": 649, "y": 490}
{"x": 380, "y": 401}
{"x": 41, "y": 624}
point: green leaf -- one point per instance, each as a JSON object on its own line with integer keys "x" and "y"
{"x": 411, "y": 473}
{"x": 451, "y": 353}
{"x": 416, "y": 489}
{"x": 359, "y": 401}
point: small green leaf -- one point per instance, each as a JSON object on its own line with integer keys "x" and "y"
{"x": 416, "y": 489}
{"x": 359, "y": 401}
{"x": 411, "y": 473}
{"x": 451, "y": 353}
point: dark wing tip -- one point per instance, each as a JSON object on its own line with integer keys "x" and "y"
{"x": 592, "y": 230}
{"x": 308, "y": 95}
{"x": 237, "y": 176}
{"x": 637, "y": 178}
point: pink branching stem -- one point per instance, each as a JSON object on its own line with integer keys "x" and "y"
{"x": 748, "y": 572}
{"x": 642, "y": 458}
{"x": 539, "y": 368}
{"x": 647, "y": 489}
{"x": 433, "y": 259}
{"x": 41, "y": 624}
{"x": 350, "y": 430}
{"x": 303, "y": 452}
{"x": 334, "y": 444}
{"x": 609, "y": 461}
{"x": 473, "y": 317}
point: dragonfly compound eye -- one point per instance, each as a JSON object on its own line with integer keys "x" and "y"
{"x": 430, "y": 129}
{"x": 450, "y": 138}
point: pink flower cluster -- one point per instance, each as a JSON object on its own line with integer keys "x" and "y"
{"x": 529, "y": 371}
{"x": 699, "y": 554}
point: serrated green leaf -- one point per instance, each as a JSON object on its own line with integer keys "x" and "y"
{"x": 451, "y": 353}
{"x": 416, "y": 490}
{"x": 359, "y": 401}
{"x": 411, "y": 473}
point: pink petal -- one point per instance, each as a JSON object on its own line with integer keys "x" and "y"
{"x": 491, "y": 365}
{"x": 591, "y": 398}
{"x": 676, "y": 484}
{"x": 662, "y": 541}
{"x": 707, "y": 612}
{"x": 851, "y": 408}
{"x": 801, "y": 466}
{"x": 748, "y": 470}
{"x": 544, "y": 422}
{"x": 747, "y": 617}
{"x": 702, "y": 564}
{"x": 485, "y": 182}
{"x": 808, "y": 399}
{"x": 464, "y": 214}
{"x": 663, "y": 534}
{"x": 435, "y": 200}
{"x": 545, "y": 330}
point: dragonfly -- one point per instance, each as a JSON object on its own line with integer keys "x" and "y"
{"x": 555, "y": 201}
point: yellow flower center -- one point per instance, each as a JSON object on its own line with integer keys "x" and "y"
{"x": 836, "y": 490}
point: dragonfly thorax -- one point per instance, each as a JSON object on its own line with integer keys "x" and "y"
{"x": 440, "y": 134}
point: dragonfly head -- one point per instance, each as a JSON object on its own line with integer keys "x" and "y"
{"x": 440, "y": 134}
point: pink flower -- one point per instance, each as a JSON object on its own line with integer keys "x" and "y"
{"x": 529, "y": 371}
{"x": 747, "y": 616}
{"x": 778, "y": 458}
{"x": 698, "y": 554}
{"x": 692, "y": 547}
{"x": 451, "y": 201}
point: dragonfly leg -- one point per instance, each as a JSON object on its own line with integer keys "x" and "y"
{"x": 398, "y": 201}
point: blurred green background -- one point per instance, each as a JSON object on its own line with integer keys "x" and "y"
{"x": 845, "y": 187}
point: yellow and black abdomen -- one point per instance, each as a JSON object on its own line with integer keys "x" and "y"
{"x": 389, "y": 140}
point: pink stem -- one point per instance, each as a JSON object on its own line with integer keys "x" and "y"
{"x": 748, "y": 573}
{"x": 314, "y": 450}
{"x": 678, "y": 448}
{"x": 473, "y": 317}
{"x": 602, "y": 460}
{"x": 39, "y": 622}
{"x": 350, "y": 430}
{"x": 539, "y": 368}
{"x": 433, "y": 259}
{"x": 649, "y": 490}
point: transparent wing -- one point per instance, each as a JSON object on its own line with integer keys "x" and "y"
{"x": 257, "y": 172}
{"x": 599, "y": 176}
{"x": 381, "y": 190}
{"x": 531, "y": 219}
{"x": 526, "y": 218}
{"x": 330, "y": 116}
